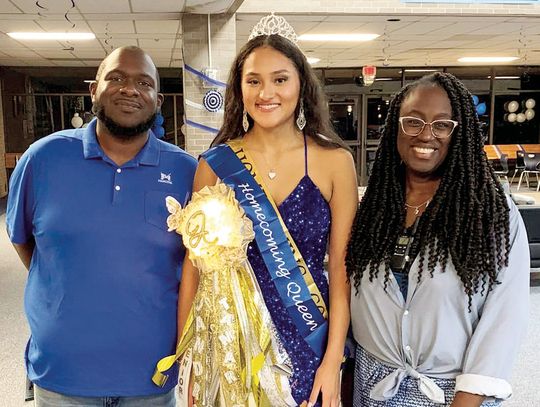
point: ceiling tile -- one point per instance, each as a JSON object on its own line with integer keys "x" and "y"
{"x": 165, "y": 27}
{"x": 153, "y": 44}
{"x": 8, "y": 25}
{"x": 112, "y": 27}
{"x": 161, "y": 6}
{"x": 104, "y": 6}
{"x": 51, "y": 7}
{"x": 62, "y": 25}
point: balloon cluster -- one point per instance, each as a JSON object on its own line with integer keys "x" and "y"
{"x": 526, "y": 114}
{"x": 157, "y": 127}
{"x": 480, "y": 107}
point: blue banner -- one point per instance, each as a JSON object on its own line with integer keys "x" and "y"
{"x": 273, "y": 245}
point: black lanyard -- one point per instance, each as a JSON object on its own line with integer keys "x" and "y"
{"x": 401, "y": 258}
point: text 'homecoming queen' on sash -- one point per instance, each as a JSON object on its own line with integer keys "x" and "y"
{"x": 288, "y": 270}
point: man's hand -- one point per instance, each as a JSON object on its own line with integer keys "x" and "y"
{"x": 25, "y": 252}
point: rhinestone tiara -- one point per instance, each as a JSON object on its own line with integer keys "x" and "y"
{"x": 273, "y": 24}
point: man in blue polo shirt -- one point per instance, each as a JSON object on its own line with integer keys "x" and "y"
{"x": 87, "y": 216}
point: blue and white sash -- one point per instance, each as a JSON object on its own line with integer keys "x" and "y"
{"x": 288, "y": 270}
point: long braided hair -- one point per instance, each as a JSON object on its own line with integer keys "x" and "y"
{"x": 467, "y": 219}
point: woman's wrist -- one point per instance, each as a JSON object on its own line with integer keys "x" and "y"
{"x": 333, "y": 357}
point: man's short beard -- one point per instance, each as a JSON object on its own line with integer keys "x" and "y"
{"x": 119, "y": 131}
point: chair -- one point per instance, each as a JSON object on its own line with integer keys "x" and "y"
{"x": 532, "y": 166}
{"x": 520, "y": 164}
{"x": 11, "y": 159}
{"x": 502, "y": 173}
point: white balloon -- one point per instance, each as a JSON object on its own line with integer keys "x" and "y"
{"x": 530, "y": 103}
{"x": 512, "y": 117}
{"x": 77, "y": 121}
{"x": 513, "y": 106}
{"x": 529, "y": 114}
{"x": 183, "y": 129}
{"x": 521, "y": 117}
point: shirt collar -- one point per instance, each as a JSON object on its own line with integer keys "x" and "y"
{"x": 149, "y": 154}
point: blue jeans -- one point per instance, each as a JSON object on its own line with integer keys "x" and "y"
{"x": 46, "y": 398}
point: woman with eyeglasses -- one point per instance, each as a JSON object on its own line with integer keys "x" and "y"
{"x": 438, "y": 260}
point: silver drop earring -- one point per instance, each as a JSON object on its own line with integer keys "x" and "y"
{"x": 301, "y": 119}
{"x": 245, "y": 122}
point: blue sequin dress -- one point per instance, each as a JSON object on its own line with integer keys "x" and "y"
{"x": 307, "y": 216}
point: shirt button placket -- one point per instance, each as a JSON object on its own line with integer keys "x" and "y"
{"x": 405, "y": 334}
{"x": 117, "y": 187}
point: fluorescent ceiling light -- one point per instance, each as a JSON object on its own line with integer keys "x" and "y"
{"x": 51, "y": 36}
{"x": 421, "y": 70}
{"x": 337, "y": 37}
{"x": 89, "y": 80}
{"x": 506, "y": 77}
{"x": 313, "y": 60}
{"x": 384, "y": 79}
{"x": 487, "y": 59}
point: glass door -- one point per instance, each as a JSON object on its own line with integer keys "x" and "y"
{"x": 344, "y": 114}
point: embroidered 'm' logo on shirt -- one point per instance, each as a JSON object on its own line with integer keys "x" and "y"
{"x": 165, "y": 178}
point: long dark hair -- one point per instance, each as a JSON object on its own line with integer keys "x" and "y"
{"x": 318, "y": 125}
{"x": 468, "y": 218}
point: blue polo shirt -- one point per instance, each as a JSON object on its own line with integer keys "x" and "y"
{"x": 102, "y": 290}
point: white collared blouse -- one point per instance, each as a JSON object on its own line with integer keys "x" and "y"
{"x": 433, "y": 334}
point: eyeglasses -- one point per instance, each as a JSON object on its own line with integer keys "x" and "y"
{"x": 413, "y": 126}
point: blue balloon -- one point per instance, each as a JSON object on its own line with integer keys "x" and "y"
{"x": 475, "y": 99}
{"x": 158, "y": 131}
{"x": 159, "y": 120}
{"x": 481, "y": 109}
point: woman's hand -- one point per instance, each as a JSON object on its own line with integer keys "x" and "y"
{"x": 463, "y": 399}
{"x": 328, "y": 382}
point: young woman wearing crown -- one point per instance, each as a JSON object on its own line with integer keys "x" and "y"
{"x": 296, "y": 181}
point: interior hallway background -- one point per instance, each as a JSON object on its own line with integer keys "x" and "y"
{"x": 14, "y": 335}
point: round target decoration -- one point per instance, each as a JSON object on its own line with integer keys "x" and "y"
{"x": 213, "y": 101}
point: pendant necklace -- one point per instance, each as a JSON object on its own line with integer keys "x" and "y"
{"x": 271, "y": 170}
{"x": 417, "y": 208}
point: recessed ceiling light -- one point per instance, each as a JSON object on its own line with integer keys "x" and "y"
{"x": 487, "y": 59}
{"x": 337, "y": 37}
{"x": 51, "y": 36}
{"x": 313, "y": 60}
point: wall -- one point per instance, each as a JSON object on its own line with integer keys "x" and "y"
{"x": 195, "y": 46}
{"x": 3, "y": 174}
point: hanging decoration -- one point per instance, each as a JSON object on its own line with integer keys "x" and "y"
{"x": 522, "y": 48}
{"x": 77, "y": 121}
{"x": 213, "y": 101}
{"x": 204, "y": 77}
{"x": 213, "y": 98}
{"x": 527, "y": 113}
{"x": 157, "y": 127}
{"x": 480, "y": 107}
{"x": 67, "y": 12}
{"x": 108, "y": 38}
{"x": 385, "y": 48}
{"x": 40, "y": 7}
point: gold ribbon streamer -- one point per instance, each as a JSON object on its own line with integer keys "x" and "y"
{"x": 229, "y": 330}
